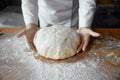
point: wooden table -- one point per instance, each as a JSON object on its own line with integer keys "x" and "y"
{"x": 113, "y": 71}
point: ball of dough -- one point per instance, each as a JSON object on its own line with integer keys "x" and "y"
{"x": 56, "y": 42}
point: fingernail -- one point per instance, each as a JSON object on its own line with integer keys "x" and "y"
{"x": 83, "y": 49}
{"x": 77, "y": 51}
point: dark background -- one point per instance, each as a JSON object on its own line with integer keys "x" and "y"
{"x": 107, "y": 14}
{"x": 4, "y": 3}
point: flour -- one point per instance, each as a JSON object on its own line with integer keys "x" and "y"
{"x": 18, "y": 64}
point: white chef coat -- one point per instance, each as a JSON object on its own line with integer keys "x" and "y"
{"x": 69, "y": 13}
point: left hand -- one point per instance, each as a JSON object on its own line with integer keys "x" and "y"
{"x": 85, "y": 34}
{"x": 29, "y": 33}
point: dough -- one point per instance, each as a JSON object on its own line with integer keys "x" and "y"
{"x": 56, "y": 42}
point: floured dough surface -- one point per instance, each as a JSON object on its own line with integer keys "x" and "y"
{"x": 56, "y": 42}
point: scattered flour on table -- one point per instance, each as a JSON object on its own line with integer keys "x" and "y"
{"x": 18, "y": 64}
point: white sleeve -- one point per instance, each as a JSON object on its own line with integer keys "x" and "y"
{"x": 30, "y": 11}
{"x": 86, "y": 12}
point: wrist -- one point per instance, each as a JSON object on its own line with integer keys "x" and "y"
{"x": 84, "y": 28}
{"x": 31, "y": 25}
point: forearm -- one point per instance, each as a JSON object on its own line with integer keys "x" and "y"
{"x": 86, "y": 12}
{"x": 30, "y": 11}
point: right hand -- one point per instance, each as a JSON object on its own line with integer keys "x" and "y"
{"x": 29, "y": 34}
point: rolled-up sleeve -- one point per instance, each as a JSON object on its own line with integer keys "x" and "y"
{"x": 30, "y": 11}
{"x": 86, "y": 12}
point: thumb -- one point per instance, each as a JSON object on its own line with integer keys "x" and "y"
{"x": 20, "y": 34}
{"x": 94, "y": 34}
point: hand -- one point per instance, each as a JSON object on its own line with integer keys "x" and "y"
{"x": 29, "y": 33}
{"x": 85, "y": 34}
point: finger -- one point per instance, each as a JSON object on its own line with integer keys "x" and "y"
{"x": 33, "y": 49}
{"x": 94, "y": 34}
{"x": 21, "y": 33}
{"x": 86, "y": 42}
{"x": 30, "y": 45}
{"x": 80, "y": 47}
